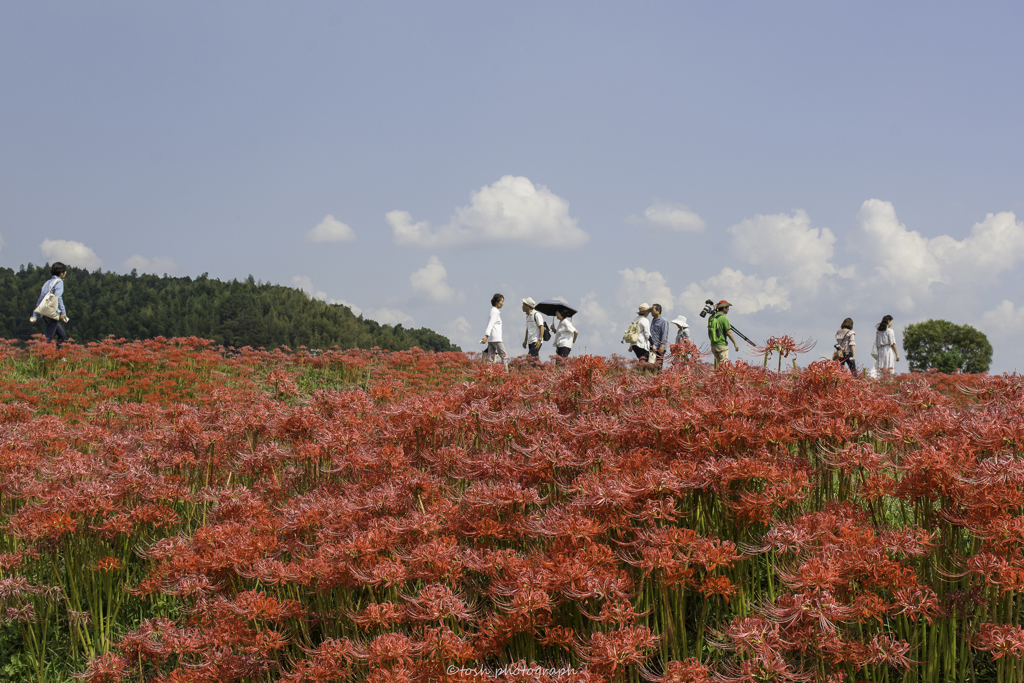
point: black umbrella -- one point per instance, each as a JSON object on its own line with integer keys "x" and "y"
{"x": 552, "y": 307}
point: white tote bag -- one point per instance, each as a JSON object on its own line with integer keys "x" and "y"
{"x": 874, "y": 350}
{"x": 48, "y": 306}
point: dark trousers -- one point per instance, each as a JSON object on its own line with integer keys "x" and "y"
{"x": 641, "y": 354}
{"x": 852, "y": 364}
{"x": 563, "y": 351}
{"x": 53, "y": 329}
{"x": 533, "y": 349}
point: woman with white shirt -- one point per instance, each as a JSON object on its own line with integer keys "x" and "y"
{"x": 565, "y": 335}
{"x": 885, "y": 340}
{"x": 492, "y": 335}
{"x": 642, "y": 347}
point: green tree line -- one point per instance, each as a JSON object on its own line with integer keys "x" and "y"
{"x": 233, "y": 313}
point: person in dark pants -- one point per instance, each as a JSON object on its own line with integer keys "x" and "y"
{"x": 565, "y": 335}
{"x": 846, "y": 346}
{"x": 56, "y": 285}
{"x": 534, "y": 336}
{"x": 659, "y": 336}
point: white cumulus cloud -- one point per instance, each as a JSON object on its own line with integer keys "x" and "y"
{"x": 909, "y": 263}
{"x": 1005, "y": 320}
{"x": 510, "y": 211}
{"x": 158, "y": 265}
{"x": 460, "y": 332}
{"x": 388, "y": 316}
{"x": 304, "y": 283}
{"x": 330, "y": 229}
{"x": 70, "y": 253}
{"x": 640, "y": 286}
{"x": 789, "y": 243}
{"x": 352, "y": 307}
{"x": 994, "y": 245}
{"x": 747, "y": 293}
{"x": 596, "y": 325}
{"x": 432, "y": 282}
{"x": 896, "y": 255}
{"x": 674, "y": 217}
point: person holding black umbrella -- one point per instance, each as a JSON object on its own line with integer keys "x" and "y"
{"x": 565, "y": 335}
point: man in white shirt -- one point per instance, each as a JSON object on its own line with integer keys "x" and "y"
{"x": 642, "y": 347}
{"x": 534, "y": 328}
{"x": 492, "y": 335}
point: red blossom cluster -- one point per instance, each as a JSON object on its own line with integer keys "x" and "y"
{"x": 177, "y": 512}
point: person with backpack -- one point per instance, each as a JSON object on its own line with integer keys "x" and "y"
{"x": 51, "y": 308}
{"x": 535, "y": 333}
{"x": 638, "y": 334}
{"x": 846, "y": 346}
{"x": 492, "y": 335}
{"x": 720, "y": 332}
{"x": 659, "y": 335}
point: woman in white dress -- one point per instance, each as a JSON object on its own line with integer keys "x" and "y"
{"x": 885, "y": 339}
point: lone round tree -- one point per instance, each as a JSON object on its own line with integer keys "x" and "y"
{"x": 946, "y": 347}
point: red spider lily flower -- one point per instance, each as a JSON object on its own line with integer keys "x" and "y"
{"x": 885, "y": 649}
{"x": 108, "y": 668}
{"x": 380, "y": 615}
{"x": 688, "y": 671}
{"x": 436, "y": 602}
{"x": 107, "y": 564}
{"x": 1002, "y": 640}
{"x": 612, "y": 652}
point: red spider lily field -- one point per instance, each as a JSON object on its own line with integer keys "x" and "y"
{"x": 175, "y": 512}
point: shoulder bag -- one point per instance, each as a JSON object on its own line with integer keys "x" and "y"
{"x": 48, "y": 307}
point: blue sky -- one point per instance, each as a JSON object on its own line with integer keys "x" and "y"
{"x": 807, "y": 161}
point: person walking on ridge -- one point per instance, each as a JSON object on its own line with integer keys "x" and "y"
{"x": 492, "y": 335}
{"x": 642, "y": 346}
{"x": 534, "y": 328}
{"x": 846, "y": 346}
{"x": 683, "y": 329}
{"x": 659, "y": 335}
{"x": 565, "y": 335}
{"x": 54, "y": 285}
{"x": 885, "y": 340}
{"x": 720, "y": 332}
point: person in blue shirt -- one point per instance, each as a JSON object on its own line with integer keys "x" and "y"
{"x": 56, "y": 283}
{"x": 659, "y": 335}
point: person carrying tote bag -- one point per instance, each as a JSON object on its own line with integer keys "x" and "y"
{"x": 50, "y": 306}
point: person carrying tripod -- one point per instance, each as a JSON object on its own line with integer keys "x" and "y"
{"x": 720, "y": 332}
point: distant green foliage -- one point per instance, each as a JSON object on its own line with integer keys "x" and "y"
{"x": 232, "y": 313}
{"x": 947, "y": 347}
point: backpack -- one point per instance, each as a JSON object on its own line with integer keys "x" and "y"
{"x": 632, "y": 335}
{"x": 547, "y": 332}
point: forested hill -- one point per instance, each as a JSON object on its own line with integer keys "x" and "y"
{"x": 232, "y": 313}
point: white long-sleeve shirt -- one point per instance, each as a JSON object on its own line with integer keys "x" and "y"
{"x": 493, "y": 331}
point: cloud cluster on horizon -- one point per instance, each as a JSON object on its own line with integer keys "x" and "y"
{"x": 74, "y": 254}
{"x": 511, "y": 210}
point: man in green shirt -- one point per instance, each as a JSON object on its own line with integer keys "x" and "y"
{"x": 720, "y": 332}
